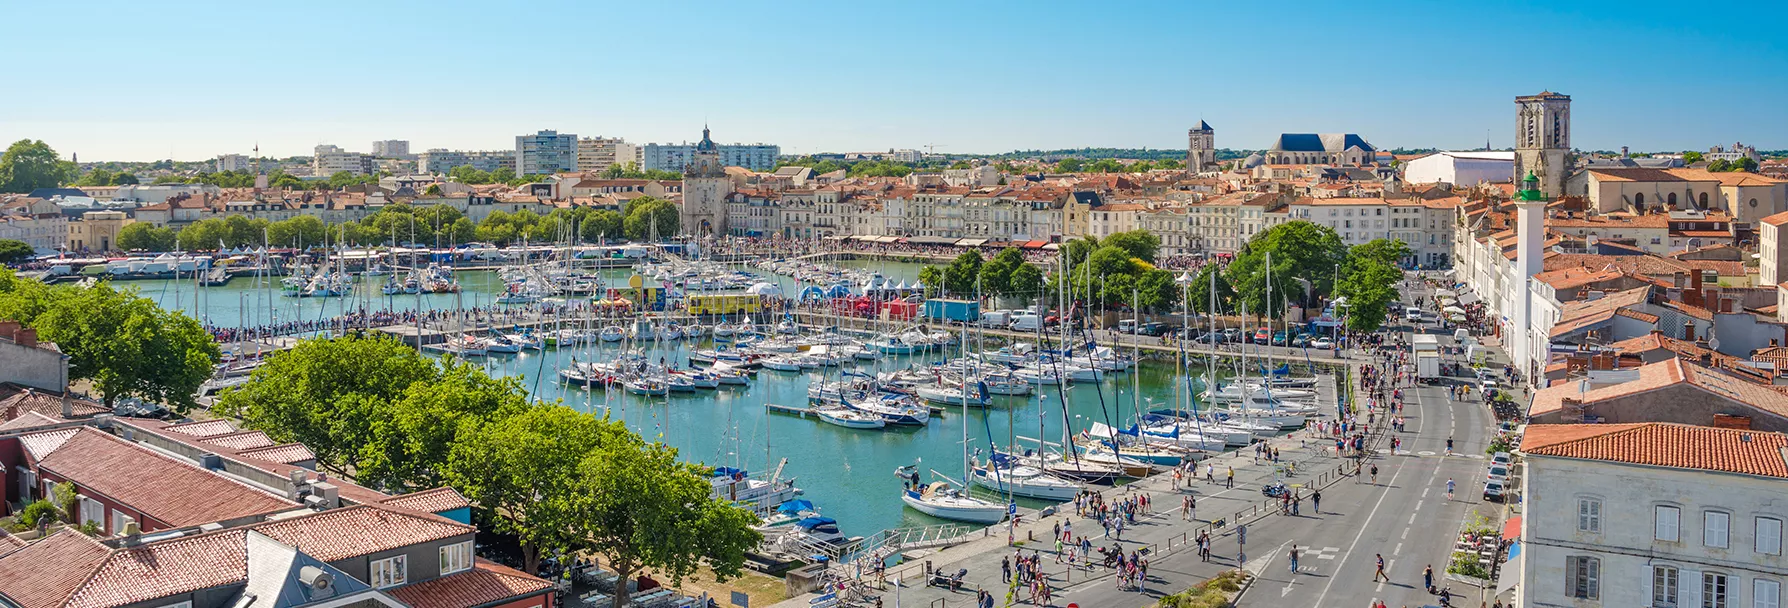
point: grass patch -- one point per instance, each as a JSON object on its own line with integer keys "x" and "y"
{"x": 1215, "y": 593}
{"x": 763, "y": 589}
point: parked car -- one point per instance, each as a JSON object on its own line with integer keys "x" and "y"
{"x": 1320, "y": 343}
{"x": 1262, "y": 335}
{"x": 1279, "y": 338}
{"x": 1498, "y": 472}
{"x": 1232, "y": 335}
{"x": 1493, "y": 491}
{"x": 1152, "y": 329}
{"x": 1501, "y": 458}
{"x": 1302, "y": 340}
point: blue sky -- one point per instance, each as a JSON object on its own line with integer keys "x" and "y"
{"x": 190, "y": 80}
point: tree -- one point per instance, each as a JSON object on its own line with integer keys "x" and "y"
{"x": 1719, "y": 166}
{"x": 638, "y": 507}
{"x": 96, "y": 177}
{"x": 433, "y": 190}
{"x": 996, "y": 274}
{"x": 932, "y": 277}
{"x": 128, "y": 346}
{"x": 603, "y": 224}
{"x": 1300, "y": 250}
{"x": 1069, "y": 165}
{"x": 146, "y": 237}
{"x": 1158, "y": 291}
{"x": 1691, "y": 157}
{"x": 301, "y": 229}
{"x": 412, "y": 437}
{"x": 524, "y": 472}
{"x": 1745, "y": 163}
{"x": 13, "y": 252}
{"x": 1201, "y": 287}
{"x": 1369, "y": 287}
{"x": 28, "y": 165}
{"x": 1389, "y": 252}
{"x": 1141, "y": 244}
{"x": 645, "y": 212}
{"x": 1026, "y": 281}
{"x": 326, "y": 393}
{"x": 960, "y": 275}
{"x": 124, "y": 179}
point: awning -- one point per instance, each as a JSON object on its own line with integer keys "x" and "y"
{"x": 1034, "y": 244}
{"x": 1512, "y": 527}
{"x": 1052, "y": 246}
{"x": 970, "y": 242}
{"x": 1468, "y": 298}
{"x": 833, "y": 238}
{"x": 931, "y": 240}
{"x": 1511, "y": 571}
{"x": 864, "y": 238}
{"x": 887, "y": 239}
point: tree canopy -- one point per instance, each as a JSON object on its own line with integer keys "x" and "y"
{"x": 28, "y": 165}
{"x": 645, "y": 212}
{"x": 1201, "y": 287}
{"x": 124, "y": 343}
{"x": 1301, "y": 251}
{"x": 146, "y": 237}
{"x": 13, "y": 251}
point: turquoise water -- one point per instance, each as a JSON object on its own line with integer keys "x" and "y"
{"x": 847, "y": 473}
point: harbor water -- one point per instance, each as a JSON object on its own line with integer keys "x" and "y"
{"x": 847, "y": 473}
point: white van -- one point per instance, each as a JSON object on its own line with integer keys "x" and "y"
{"x": 996, "y": 318}
{"x": 1026, "y": 322}
{"x": 1413, "y": 315}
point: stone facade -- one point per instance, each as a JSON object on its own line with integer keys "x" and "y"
{"x": 1543, "y": 140}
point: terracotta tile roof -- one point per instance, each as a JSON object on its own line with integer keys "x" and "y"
{"x": 1634, "y": 314}
{"x": 1670, "y": 372}
{"x": 353, "y": 531}
{"x": 430, "y": 501}
{"x": 244, "y": 440}
{"x": 290, "y": 453}
{"x": 178, "y": 493}
{"x": 10, "y": 543}
{"x": 1663, "y": 444}
{"x": 41, "y": 445}
{"x": 29, "y": 420}
{"x": 1636, "y": 175}
{"x": 1566, "y": 279}
{"x": 1578, "y": 315}
{"x": 485, "y": 583}
{"x": 1726, "y": 178}
{"x": 44, "y": 573}
{"x": 15, "y": 400}
{"x": 165, "y": 568}
{"x": 204, "y": 428}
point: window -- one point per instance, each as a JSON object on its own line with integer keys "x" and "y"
{"x": 1663, "y": 585}
{"x": 1769, "y": 536}
{"x": 389, "y": 572}
{"x": 1713, "y": 590}
{"x": 1583, "y": 577}
{"x": 92, "y": 511}
{"x": 1665, "y": 528}
{"x": 1589, "y": 515}
{"x": 1713, "y": 529}
{"x": 456, "y": 557}
{"x": 119, "y": 520}
{"x": 1766, "y": 593}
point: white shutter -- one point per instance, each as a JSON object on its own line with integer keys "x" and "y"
{"x": 1688, "y": 588}
{"x": 1667, "y": 523}
{"x": 1769, "y": 536}
{"x": 1766, "y": 593}
{"x": 1650, "y": 578}
{"x": 1713, "y": 529}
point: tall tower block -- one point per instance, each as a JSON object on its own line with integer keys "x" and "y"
{"x": 1201, "y": 148}
{"x": 1543, "y": 140}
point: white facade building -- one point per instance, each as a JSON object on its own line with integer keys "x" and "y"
{"x": 1652, "y": 514}
{"x": 597, "y": 154}
{"x": 328, "y": 160}
{"x": 1461, "y": 168}
{"x": 391, "y": 148}
{"x": 673, "y": 157}
{"x": 233, "y": 162}
{"x": 441, "y": 161}
{"x": 545, "y": 153}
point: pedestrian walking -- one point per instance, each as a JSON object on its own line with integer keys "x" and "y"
{"x": 1380, "y": 572}
{"x": 1230, "y": 480}
{"x": 1316, "y": 501}
{"x": 1428, "y": 577}
{"x": 1294, "y": 558}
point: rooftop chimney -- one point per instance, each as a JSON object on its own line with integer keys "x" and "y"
{"x": 68, "y": 410}
{"x": 1688, "y": 331}
{"x": 1728, "y": 421}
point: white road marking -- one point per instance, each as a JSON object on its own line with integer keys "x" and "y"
{"x": 1405, "y": 534}
{"x": 1398, "y": 550}
{"x": 1425, "y": 492}
{"x": 1356, "y": 540}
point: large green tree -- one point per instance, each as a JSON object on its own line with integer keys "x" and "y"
{"x": 412, "y": 436}
{"x": 996, "y": 274}
{"x": 328, "y": 394}
{"x": 1027, "y": 281}
{"x": 128, "y": 346}
{"x": 645, "y": 212}
{"x": 524, "y": 472}
{"x": 961, "y": 274}
{"x": 28, "y": 165}
{"x": 13, "y": 252}
{"x": 932, "y": 277}
{"x": 145, "y": 236}
{"x": 1300, "y": 250}
{"x": 1141, "y": 244}
{"x": 1384, "y": 251}
{"x": 638, "y": 507}
{"x": 1370, "y": 287}
{"x": 1202, "y": 285}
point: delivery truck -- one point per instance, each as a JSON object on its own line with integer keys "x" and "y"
{"x": 953, "y": 311}
{"x": 1427, "y": 357}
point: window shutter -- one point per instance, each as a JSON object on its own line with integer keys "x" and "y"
{"x": 1571, "y": 576}
{"x": 1667, "y": 523}
{"x": 1769, "y": 536}
{"x": 1688, "y": 588}
{"x": 1593, "y": 574}
{"x": 1650, "y": 579}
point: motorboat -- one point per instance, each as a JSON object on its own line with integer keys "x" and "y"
{"x": 762, "y": 496}
{"x": 465, "y": 346}
{"x": 527, "y": 341}
{"x": 818, "y": 529}
{"x": 612, "y": 333}
{"x": 647, "y": 387}
{"x": 790, "y": 512}
{"x": 722, "y": 330}
{"x": 850, "y": 418}
{"x": 502, "y": 344}
{"x": 896, "y": 409}
{"x": 892, "y": 345}
{"x": 694, "y": 332}
{"x": 788, "y": 327}
{"x": 1038, "y": 375}
{"x": 1129, "y": 466}
{"x": 1016, "y": 354}
{"x": 957, "y": 395}
{"x": 941, "y": 500}
{"x": 784, "y": 363}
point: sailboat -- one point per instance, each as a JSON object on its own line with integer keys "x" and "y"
{"x": 1004, "y": 474}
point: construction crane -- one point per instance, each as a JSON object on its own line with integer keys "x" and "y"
{"x": 932, "y": 148}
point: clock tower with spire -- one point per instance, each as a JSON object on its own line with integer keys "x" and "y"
{"x": 705, "y": 187}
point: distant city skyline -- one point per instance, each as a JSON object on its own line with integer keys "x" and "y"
{"x": 192, "y": 83}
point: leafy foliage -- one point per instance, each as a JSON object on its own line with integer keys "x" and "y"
{"x": 146, "y": 237}
{"x": 28, "y": 165}
{"x": 1200, "y": 296}
{"x": 960, "y": 275}
{"x": 1300, "y": 250}
{"x": 13, "y": 252}
{"x": 124, "y": 343}
{"x": 645, "y": 212}
{"x": 1141, "y": 244}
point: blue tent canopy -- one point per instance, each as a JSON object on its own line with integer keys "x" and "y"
{"x": 812, "y": 292}
{"x": 728, "y": 472}
{"x": 795, "y": 506}
{"x": 838, "y": 290}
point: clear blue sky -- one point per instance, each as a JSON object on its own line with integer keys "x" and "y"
{"x": 149, "y": 80}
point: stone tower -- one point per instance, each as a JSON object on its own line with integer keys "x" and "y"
{"x": 1201, "y": 148}
{"x": 1543, "y": 140}
{"x": 705, "y": 186}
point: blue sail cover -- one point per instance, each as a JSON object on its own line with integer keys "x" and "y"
{"x": 728, "y": 472}
{"x": 814, "y": 522}
{"x": 795, "y": 506}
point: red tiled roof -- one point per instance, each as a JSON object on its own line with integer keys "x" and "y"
{"x": 170, "y": 490}
{"x": 9, "y": 542}
{"x": 29, "y": 420}
{"x": 430, "y": 501}
{"x": 1663, "y": 444}
{"x": 15, "y": 400}
{"x": 353, "y": 531}
{"x": 289, "y": 453}
{"x": 205, "y": 428}
{"x": 41, "y": 445}
{"x": 245, "y": 440}
{"x": 42, "y": 574}
{"x": 485, "y": 583}
{"x": 161, "y": 569}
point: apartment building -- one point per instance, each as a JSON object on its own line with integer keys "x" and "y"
{"x": 673, "y": 157}
{"x": 391, "y": 148}
{"x": 545, "y": 153}
{"x": 1652, "y": 514}
{"x": 327, "y": 160}
{"x": 35, "y": 221}
{"x": 439, "y": 161}
{"x": 597, "y": 154}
